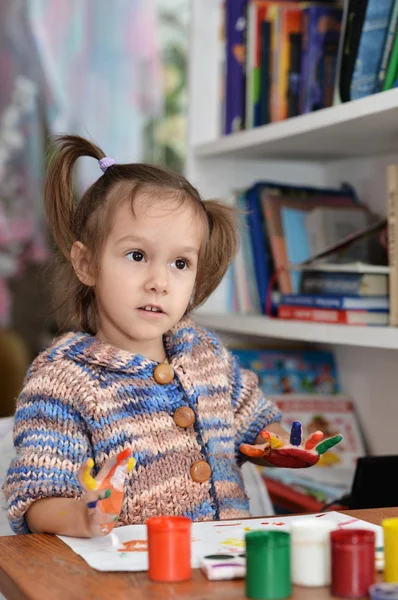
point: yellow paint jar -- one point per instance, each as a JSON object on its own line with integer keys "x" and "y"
{"x": 390, "y": 529}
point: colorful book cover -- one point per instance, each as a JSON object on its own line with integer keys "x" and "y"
{"x": 272, "y": 204}
{"x": 371, "y": 48}
{"x": 337, "y": 302}
{"x": 291, "y": 371}
{"x": 290, "y": 23}
{"x": 392, "y": 35}
{"x": 321, "y": 35}
{"x": 235, "y": 20}
{"x": 338, "y": 317}
{"x": 392, "y": 67}
{"x": 343, "y": 284}
{"x": 258, "y": 11}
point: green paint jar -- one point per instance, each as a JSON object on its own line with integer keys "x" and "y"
{"x": 268, "y": 575}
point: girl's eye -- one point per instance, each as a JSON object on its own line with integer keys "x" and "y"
{"x": 135, "y": 255}
{"x": 181, "y": 264}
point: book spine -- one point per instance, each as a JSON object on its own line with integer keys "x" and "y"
{"x": 371, "y": 47}
{"x": 347, "y": 284}
{"x": 387, "y": 53}
{"x": 323, "y": 315}
{"x": 235, "y": 67}
{"x": 335, "y": 302}
{"x": 392, "y": 215}
{"x": 392, "y": 68}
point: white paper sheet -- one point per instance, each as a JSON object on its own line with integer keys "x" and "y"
{"x": 125, "y": 548}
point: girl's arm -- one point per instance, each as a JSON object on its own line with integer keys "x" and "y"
{"x": 62, "y": 516}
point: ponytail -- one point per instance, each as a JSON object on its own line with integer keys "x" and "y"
{"x": 59, "y": 205}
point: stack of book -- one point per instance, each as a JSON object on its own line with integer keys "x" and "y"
{"x": 352, "y": 294}
{"x": 283, "y": 225}
{"x": 283, "y": 58}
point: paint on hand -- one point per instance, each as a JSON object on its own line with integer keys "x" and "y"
{"x": 313, "y": 440}
{"x": 329, "y": 443}
{"x": 104, "y": 496}
{"x": 274, "y": 440}
{"x": 89, "y": 481}
{"x": 296, "y": 433}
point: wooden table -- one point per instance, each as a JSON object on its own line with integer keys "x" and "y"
{"x": 41, "y": 567}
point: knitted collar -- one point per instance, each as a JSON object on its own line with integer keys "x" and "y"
{"x": 85, "y": 348}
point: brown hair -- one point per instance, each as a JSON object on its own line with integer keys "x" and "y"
{"x": 87, "y": 221}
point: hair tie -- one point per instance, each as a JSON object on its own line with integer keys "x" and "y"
{"x": 105, "y": 163}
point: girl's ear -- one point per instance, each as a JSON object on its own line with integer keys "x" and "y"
{"x": 81, "y": 263}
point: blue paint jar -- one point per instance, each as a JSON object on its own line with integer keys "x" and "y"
{"x": 384, "y": 591}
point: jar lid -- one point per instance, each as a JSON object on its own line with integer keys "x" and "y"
{"x": 384, "y": 591}
{"x": 166, "y": 524}
{"x": 390, "y": 524}
{"x": 353, "y": 537}
{"x": 267, "y": 539}
{"x": 312, "y": 530}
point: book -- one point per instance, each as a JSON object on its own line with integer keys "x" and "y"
{"x": 289, "y": 25}
{"x": 353, "y": 19}
{"x": 392, "y": 216}
{"x": 294, "y": 75}
{"x": 288, "y": 371}
{"x": 235, "y": 24}
{"x": 343, "y": 283}
{"x": 392, "y": 67}
{"x": 273, "y": 204}
{"x": 321, "y": 34}
{"x": 337, "y": 302}
{"x": 344, "y": 317}
{"x": 265, "y": 72}
{"x": 386, "y": 64}
{"x": 371, "y": 46}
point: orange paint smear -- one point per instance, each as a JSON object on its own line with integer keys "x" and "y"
{"x": 134, "y": 546}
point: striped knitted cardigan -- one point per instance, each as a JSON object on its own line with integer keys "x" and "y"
{"x": 84, "y": 398}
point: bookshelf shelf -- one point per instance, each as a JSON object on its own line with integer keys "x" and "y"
{"x": 258, "y": 325}
{"x": 364, "y": 127}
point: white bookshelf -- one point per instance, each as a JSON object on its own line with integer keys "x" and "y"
{"x": 320, "y": 333}
{"x": 360, "y": 128}
{"x": 353, "y": 143}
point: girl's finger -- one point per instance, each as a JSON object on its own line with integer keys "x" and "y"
{"x": 252, "y": 451}
{"x": 313, "y": 440}
{"x": 272, "y": 438}
{"x": 84, "y": 477}
{"x": 329, "y": 443}
{"x": 110, "y": 466}
{"x": 296, "y": 433}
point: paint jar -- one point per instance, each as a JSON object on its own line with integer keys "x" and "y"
{"x": 353, "y": 562}
{"x": 390, "y": 531}
{"x": 268, "y": 565}
{"x": 169, "y": 548}
{"x": 384, "y": 591}
{"x": 311, "y": 552}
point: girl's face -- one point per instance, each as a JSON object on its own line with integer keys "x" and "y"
{"x": 147, "y": 273}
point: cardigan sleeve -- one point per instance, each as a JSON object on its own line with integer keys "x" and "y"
{"x": 252, "y": 411}
{"x": 51, "y": 444}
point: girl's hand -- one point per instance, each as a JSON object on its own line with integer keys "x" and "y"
{"x": 104, "y": 494}
{"x": 294, "y": 453}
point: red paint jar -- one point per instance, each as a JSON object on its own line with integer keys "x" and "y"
{"x": 353, "y": 562}
{"x": 169, "y": 548}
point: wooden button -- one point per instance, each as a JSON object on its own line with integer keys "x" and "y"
{"x": 163, "y": 374}
{"x": 184, "y": 417}
{"x": 200, "y": 471}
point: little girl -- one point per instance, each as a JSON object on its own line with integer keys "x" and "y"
{"x": 140, "y": 250}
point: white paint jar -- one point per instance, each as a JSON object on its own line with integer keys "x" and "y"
{"x": 310, "y": 556}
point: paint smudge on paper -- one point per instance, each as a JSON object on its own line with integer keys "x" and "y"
{"x": 228, "y": 525}
{"x": 236, "y": 542}
{"x": 134, "y": 546}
